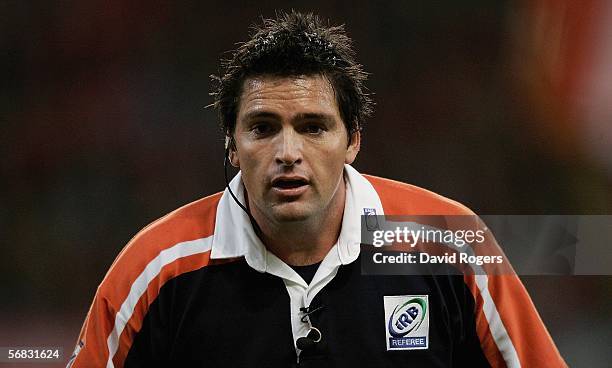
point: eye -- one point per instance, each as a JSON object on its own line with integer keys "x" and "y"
{"x": 313, "y": 129}
{"x": 261, "y": 129}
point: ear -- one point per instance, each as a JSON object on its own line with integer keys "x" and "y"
{"x": 233, "y": 156}
{"x": 353, "y": 148}
{"x": 230, "y": 147}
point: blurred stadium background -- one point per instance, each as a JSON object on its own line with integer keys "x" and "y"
{"x": 504, "y": 106}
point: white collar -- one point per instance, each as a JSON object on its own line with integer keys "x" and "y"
{"x": 234, "y": 235}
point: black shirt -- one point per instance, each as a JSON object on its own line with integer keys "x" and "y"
{"x": 307, "y": 272}
{"x": 233, "y": 316}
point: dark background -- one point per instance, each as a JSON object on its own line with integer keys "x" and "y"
{"x": 103, "y": 130}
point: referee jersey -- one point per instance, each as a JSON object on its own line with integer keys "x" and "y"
{"x": 197, "y": 288}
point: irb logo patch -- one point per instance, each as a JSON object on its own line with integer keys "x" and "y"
{"x": 407, "y": 322}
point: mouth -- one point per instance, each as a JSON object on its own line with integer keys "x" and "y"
{"x": 289, "y": 186}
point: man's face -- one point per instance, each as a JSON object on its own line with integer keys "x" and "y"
{"x": 291, "y": 146}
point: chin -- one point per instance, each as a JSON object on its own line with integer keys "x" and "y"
{"x": 291, "y": 213}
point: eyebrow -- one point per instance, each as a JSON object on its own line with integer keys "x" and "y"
{"x": 314, "y": 116}
{"x": 259, "y": 115}
{"x": 302, "y": 116}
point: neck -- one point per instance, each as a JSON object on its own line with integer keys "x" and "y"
{"x": 305, "y": 242}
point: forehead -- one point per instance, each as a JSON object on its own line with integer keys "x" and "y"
{"x": 285, "y": 95}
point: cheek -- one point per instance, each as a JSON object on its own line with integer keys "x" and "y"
{"x": 252, "y": 169}
{"x": 330, "y": 166}
{"x": 250, "y": 157}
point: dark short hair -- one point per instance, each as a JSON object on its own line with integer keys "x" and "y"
{"x": 295, "y": 44}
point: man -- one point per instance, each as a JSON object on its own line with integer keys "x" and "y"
{"x": 266, "y": 274}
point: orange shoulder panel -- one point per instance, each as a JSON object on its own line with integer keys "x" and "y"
{"x": 510, "y": 300}
{"x": 193, "y": 221}
{"x": 190, "y": 222}
{"x": 404, "y": 199}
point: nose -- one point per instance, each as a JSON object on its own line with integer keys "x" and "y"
{"x": 289, "y": 148}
